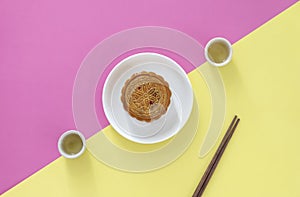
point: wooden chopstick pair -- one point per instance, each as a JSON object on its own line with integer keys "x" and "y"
{"x": 214, "y": 162}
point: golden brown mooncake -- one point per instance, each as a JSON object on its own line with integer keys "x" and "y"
{"x": 146, "y": 96}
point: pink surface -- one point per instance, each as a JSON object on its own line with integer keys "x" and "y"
{"x": 42, "y": 44}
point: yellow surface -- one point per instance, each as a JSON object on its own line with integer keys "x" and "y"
{"x": 262, "y": 159}
{"x": 131, "y": 157}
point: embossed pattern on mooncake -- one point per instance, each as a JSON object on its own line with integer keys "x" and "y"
{"x": 146, "y": 96}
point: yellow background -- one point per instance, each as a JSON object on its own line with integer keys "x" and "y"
{"x": 262, "y": 159}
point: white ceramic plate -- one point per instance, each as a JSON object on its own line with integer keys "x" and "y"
{"x": 178, "y": 111}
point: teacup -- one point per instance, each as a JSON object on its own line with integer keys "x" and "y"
{"x": 71, "y": 144}
{"x": 218, "y": 51}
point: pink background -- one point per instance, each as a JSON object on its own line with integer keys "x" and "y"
{"x": 42, "y": 44}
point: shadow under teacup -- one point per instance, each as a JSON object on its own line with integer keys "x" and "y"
{"x": 218, "y": 51}
{"x": 71, "y": 144}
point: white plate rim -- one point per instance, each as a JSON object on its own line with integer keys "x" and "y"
{"x": 110, "y": 118}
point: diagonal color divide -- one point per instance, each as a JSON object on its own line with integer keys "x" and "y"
{"x": 37, "y": 108}
{"x": 98, "y": 60}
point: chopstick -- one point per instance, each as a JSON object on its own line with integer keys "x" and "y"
{"x": 214, "y": 162}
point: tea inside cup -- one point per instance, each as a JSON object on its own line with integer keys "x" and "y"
{"x": 71, "y": 144}
{"x": 218, "y": 51}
